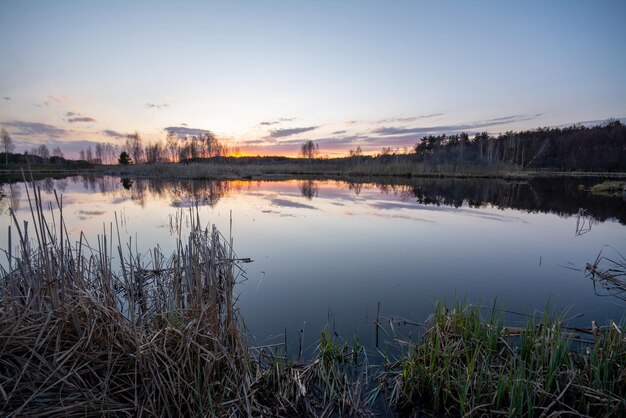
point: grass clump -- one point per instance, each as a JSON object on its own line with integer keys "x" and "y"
{"x": 609, "y": 188}
{"x": 466, "y": 365}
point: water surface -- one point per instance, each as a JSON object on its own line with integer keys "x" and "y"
{"x": 326, "y": 253}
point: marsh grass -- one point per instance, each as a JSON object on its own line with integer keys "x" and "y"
{"x": 467, "y": 365}
{"x": 102, "y": 330}
{"x": 235, "y": 169}
{"x": 608, "y": 274}
{"x": 609, "y": 188}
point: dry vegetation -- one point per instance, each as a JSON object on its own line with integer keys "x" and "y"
{"x": 100, "y": 330}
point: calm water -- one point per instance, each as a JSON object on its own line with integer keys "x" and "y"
{"x": 326, "y": 253}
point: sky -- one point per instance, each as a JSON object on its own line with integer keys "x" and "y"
{"x": 265, "y": 76}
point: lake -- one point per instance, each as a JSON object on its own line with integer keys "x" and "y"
{"x": 327, "y": 253}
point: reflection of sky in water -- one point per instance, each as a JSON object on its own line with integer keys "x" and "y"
{"x": 336, "y": 252}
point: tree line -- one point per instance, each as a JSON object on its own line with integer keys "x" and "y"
{"x": 573, "y": 148}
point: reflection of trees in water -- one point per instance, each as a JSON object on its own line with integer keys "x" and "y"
{"x": 561, "y": 196}
{"x": 309, "y": 188}
{"x": 357, "y": 187}
{"x": 10, "y": 197}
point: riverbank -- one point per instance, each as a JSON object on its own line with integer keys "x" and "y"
{"x": 100, "y": 330}
{"x": 321, "y": 169}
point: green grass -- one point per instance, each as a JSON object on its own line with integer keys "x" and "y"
{"x": 466, "y": 365}
{"x": 609, "y": 188}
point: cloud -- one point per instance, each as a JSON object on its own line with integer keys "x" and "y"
{"x": 60, "y": 100}
{"x": 80, "y": 119}
{"x": 7, "y": 98}
{"x": 70, "y": 114}
{"x": 387, "y": 131}
{"x": 182, "y": 131}
{"x": 35, "y": 128}
{"x": 276, "y": 122}
{"x": 280, "y": 133}
{"x": 156, "y": 106}
{"x": 113, "y": 134}
{"x": 339, "y": 132}
{"x": 183, "y": 124}
{"x": 410, "y": 118}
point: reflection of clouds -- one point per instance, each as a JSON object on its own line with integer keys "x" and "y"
{"x": 281, "y": 214}
{"x": 92, "y": 212}
{"x": 402, "y": 217}
{"x": 290, "y": 204}
{"x": 488, "y": 216}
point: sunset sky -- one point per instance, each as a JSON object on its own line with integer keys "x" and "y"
{"x": 267, "y": 75}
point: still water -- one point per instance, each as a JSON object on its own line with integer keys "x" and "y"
{"x": 326, "y": 253}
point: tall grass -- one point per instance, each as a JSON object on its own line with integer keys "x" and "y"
{"x": 93, "y": 330}
{"x": 337, "y": 167}
{"x": 467, "y": 365}
{"x": 100, "y": 330}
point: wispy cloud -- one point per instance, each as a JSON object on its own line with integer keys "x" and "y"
{"x": 411, "y": 118}
{"x": 183, "y": 130}
{"x": 280, "y": 133}
{"x": 156, "y": 105}
{"x": 34, "y": 128}
{"x": 113, "y": 134}
{"x": 183, "y": 124}
{"x": 387, "y": 131}
{"x": 276, "y": 122}
{"x": 7, "y": 98}
{"x": 60, "y": 100}
{"x": 339, "y": 132}
{"x": 80, "y": 119}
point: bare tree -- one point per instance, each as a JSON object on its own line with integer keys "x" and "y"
{"x": 82, "y": 154}
{"x": 171, "y": 142}
{"x": 154, "y": 152}
{"x": 356, "y": 152}
{"x": 7, "y": 144}
{"x": 133, "y": 145}
{"x": 89, "y": 154}
{"x": 309, "y": 150}
{"x": 41, "y": 151}
{"x": 56, "y": 152}
{"x": 100, "y": 152}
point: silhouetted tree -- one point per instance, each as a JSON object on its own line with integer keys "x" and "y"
{"x": 7, "y": 144}
{"x": 124, "y": 158}
{"x": 56, "y": 152}
{"x": 171, "y": 142}
{"x": 309, "y": 150}
{"x": 134, "y": 148}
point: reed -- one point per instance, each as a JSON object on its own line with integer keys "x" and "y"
{"x": 102, "y": 330}
{"x": 467, "y": 365}
{"x": 93, "y": 329}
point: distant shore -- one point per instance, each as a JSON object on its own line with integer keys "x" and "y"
{"x": 282, "y": 171}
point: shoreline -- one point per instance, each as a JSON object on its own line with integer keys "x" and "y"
{"x": 277, "y": 172}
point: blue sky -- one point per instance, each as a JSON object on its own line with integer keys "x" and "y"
{"x": 266, "y": 76}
